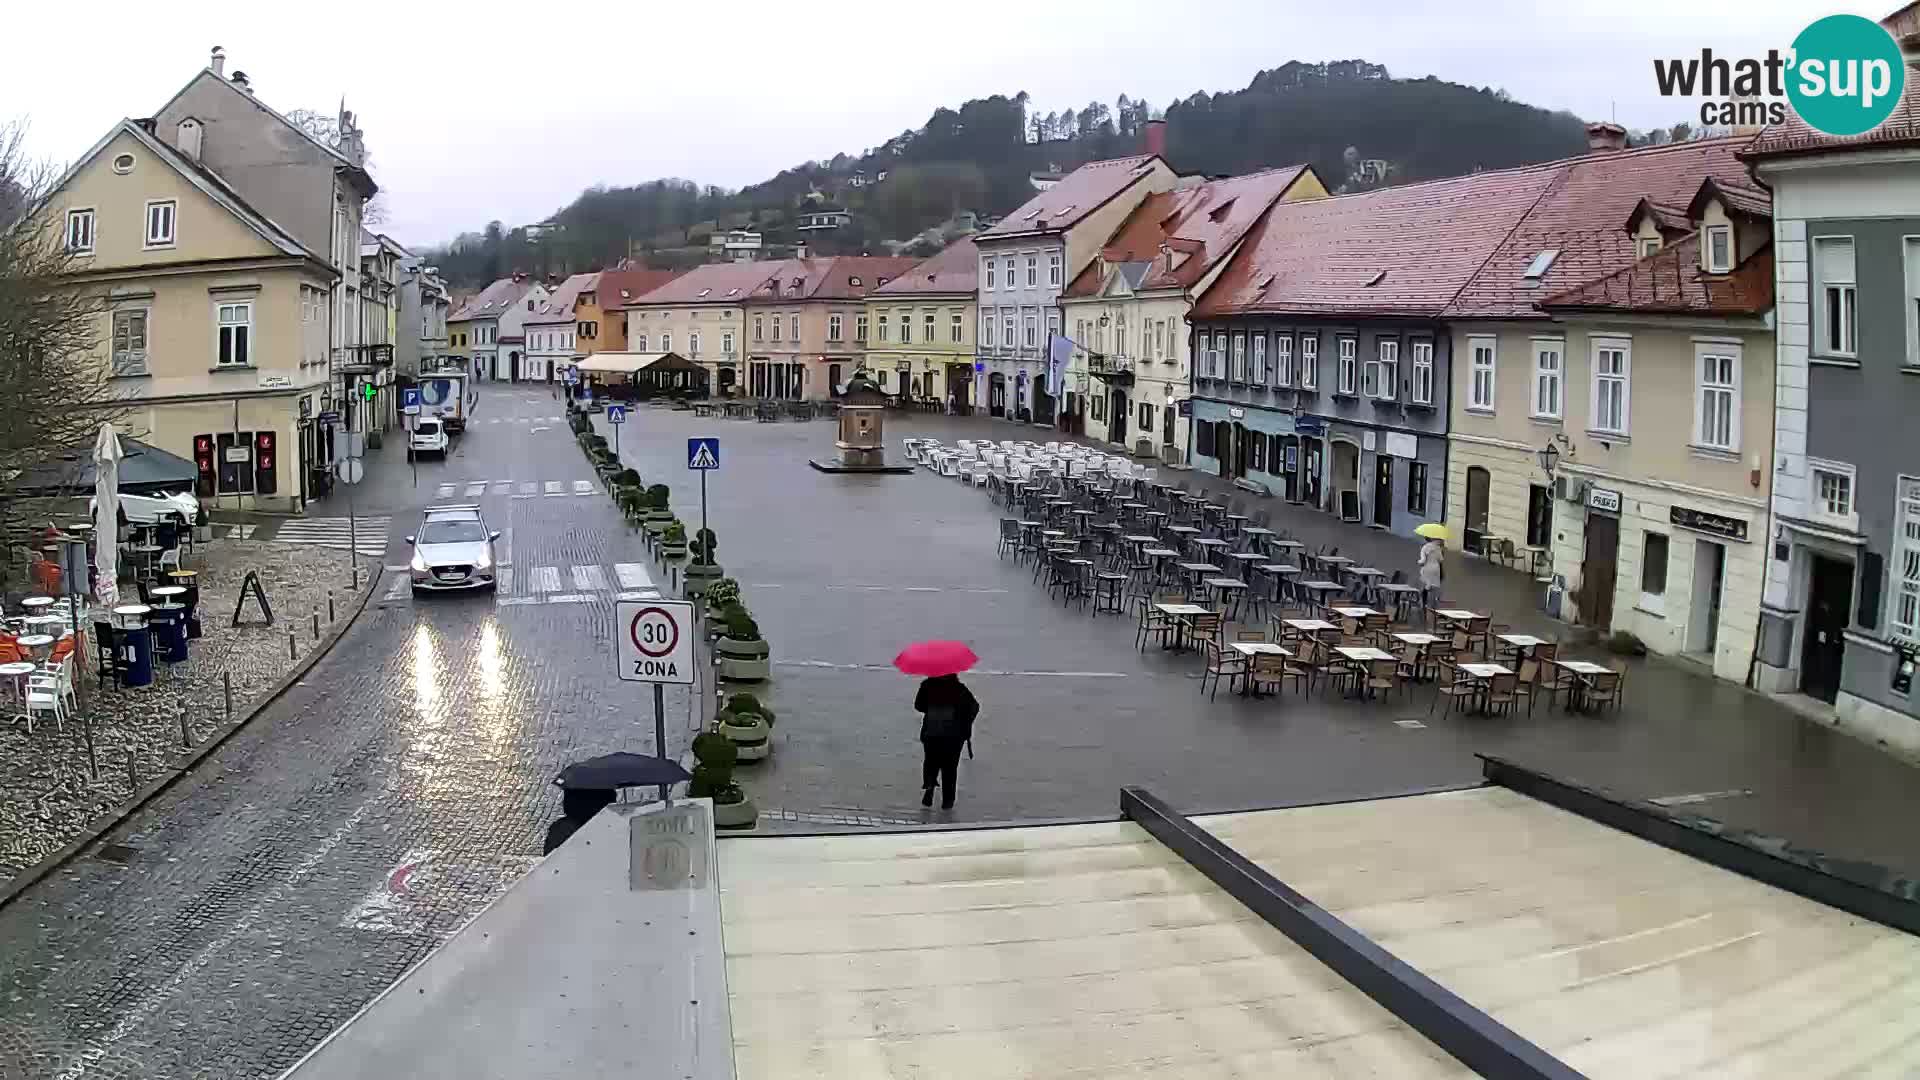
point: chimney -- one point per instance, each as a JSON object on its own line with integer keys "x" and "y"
{"x": 800, "y": 250}
{"x": 240, "y": 80}
{"x": 1605, "y": 137}
{"x": 219, "y": 63}
{"x": 1154, "y": 139}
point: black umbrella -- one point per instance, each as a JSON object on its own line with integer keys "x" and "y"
{"x": 609, "y": 772}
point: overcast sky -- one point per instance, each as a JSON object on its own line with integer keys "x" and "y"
{"x": 475, "y": 111}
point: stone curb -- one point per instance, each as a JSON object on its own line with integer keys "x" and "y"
{"x": 184, "y": 763}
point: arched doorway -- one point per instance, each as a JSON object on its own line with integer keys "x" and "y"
{"x": 1345, "y": 480}
{"x": 1479, "y": 483}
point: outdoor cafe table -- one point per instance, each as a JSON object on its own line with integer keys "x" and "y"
{"x": 1421, "y": 640}
{"x": 1363, "y": 655}
{"x": 1251, "y": 649}
{"x": 1180, "y": 613}
{"x": 1225, "y": 590}
{"x": 1333, "y": 562}
{"x": 1355, "y": 612}
{"x": 37, "y": 644}
{"x": 1309, "y": 627}
{"x": 1520, "y": 643}
{"x": 1399, "y": 594}
{"x": 1456, "y": 614}
{"x": 13, "y": 673}
{"x": 1278, "y": 572}
{"x": 37, "y": 604}
{"x": 130, "y": 616}
{"x": 1577, "y": 667}
{"x": 1199, "y": 570}
{"x": 1483, "y": 672}
{"x": 1326, "y": 587}
{"x": 1246, "y": 560}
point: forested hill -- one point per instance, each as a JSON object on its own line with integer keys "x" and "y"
{"x": 1358, "y": 126}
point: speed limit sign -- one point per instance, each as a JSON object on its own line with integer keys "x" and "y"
{"x": 654, "y": 641}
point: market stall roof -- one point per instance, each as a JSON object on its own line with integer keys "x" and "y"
{"x": 146, "y": 470}
{"x": 628, "y": 363}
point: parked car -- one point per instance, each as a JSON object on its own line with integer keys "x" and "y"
{"x": 153, "y": 509}
{"x": 429, "y": 437}
{"x": 452, "y": 550}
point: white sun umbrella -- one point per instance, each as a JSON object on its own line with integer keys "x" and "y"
{"x": 106, "y": 515}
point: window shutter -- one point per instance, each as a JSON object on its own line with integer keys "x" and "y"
{"x": 1834, "y": 259}
{"x": 1870, "y": 573}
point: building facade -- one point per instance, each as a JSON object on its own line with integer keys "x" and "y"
{"x": 918, "y": 328}
{"x": 804, "y": 319}
{"x": 424, "y": 306}
{"x": 699, "y": 314}
{"x": 555, "y": 331}
{"x": 1126, "y": 311}
{"x": 1842, "y": 614}
{"x": 603, "y": 325}
{"x": 1025, "y": 263}
{"x": 489, "y": 329}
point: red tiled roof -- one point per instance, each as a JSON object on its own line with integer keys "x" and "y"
{"x": 714, "y": 283}
{"x": 1794, "y": 136}
{"x": 956, "y": 269}
{"x": 558, "y": 308}
{"x": 1210, "y": 218}
{"x": 1580, "y": 216}
{"x": 1078, "y": 194}
{"x": 1670, "y": 282}
{"x": 494, "y": 300}
{"x": 1319, "y": 255}
{"x": 617, "y": 287}
{"x": 1751, "y": 202}
{"x": 829, "y": 278}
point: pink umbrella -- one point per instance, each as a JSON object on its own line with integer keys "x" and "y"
{"x": 928, "y": 658}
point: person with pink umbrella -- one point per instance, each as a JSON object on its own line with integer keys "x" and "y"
{"x": 947, "y": 709}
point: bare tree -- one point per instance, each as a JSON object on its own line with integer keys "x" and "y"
{"x": 326, "y": 130}
{"x": 54, "y": 388}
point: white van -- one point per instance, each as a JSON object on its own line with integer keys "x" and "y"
{"x": 429, "y": 437}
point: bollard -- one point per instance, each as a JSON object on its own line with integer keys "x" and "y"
{"x": 226, "y": 684}
{"x": 186, "y": 735}
{"x": 133, "y": 776}
{"x": 293, "y": 646}
{"x": 316, "y": 622}
{"x": 330, "y": 615}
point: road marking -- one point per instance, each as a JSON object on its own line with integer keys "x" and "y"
{"x": 569, "y": 598}
{"x": 503, "y": 487}
{"x": 143, "y": 1010}
{"x": 830, "y": 665}
{"x": 553, "y": 489}
{"x": 397, "y": 567}
{"x": 396, "y": 585}
{"x": 367, "y": 535}
{"x": 505, "y": 578}
{"x": 589, "y": 578}
{"x": 444, "y": 491}
{"x": 246, "y": 531}
{"x": 476, "y": 488}
{"x": 632, "y": 575}
{"x": 583, "y": 487}
{"x": 528, "y": 487}
{"x": 516, "y": 601}
{"x": 546, "y": 579}
{"x": 541, "y": 427}
{"x": 640, "y": 594}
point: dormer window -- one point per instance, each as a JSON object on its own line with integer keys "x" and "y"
{"x": 1649, "y": 245}
{"x": 702, "y": 295}
{"x": 1219, "y": 213}
{"x": 854, "y": 281}
{"x": 1719, "y": 248}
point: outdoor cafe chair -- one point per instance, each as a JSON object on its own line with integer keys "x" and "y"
{"x": 1222, "y": 663}
{"x": 1502, "y": 693}
{"x": 1382, "y": 676}
{"x": 1206, "y": 627}
{"x": 1527, "y": 683}
{"x": 1602, "y": 691}
{"x": 44, "y": 696}
{"x": 1453, "y": 686}
{"x": 1009, "y": 538}
{"x": 1270, "y": 670}
{"x": 1109, "y": 592}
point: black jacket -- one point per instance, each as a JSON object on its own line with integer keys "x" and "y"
{"x": 948, "y": 708}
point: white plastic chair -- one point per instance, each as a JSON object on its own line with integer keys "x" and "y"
{"x": 62, "y": 670}
{"x": 43, "y": 695}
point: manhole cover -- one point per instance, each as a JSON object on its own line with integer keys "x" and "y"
{"x": 117, "y": 853}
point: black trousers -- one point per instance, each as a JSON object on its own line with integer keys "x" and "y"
{"x": 942, "y": 764}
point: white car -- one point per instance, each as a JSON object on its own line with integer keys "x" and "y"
{"x": 429, "y": 437}
{"x": 153, "y": 509}
{"x": 452, "y": 550}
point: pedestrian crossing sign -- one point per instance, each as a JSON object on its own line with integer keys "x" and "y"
{"x": 616, "y": 414}
{"x": 703, "y": 454}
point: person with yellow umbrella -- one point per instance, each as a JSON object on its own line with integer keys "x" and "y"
{"x": 1431, "y": 554}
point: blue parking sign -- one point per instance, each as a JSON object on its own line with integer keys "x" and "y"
{"x": 410, "y": 400}
{"x": 703, "y": 454}
{"x": 616, "y": 414}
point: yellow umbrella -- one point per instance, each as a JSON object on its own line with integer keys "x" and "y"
{"x": 1432, "y": 530}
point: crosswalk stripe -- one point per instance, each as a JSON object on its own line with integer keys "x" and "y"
{"x": 476, "y": 488}
{"x": 444, "y": 491}
{"x": 503, "y": 548}
{"x": 583, "y": 487}
{"x": 589, "y": 578}
{"x": 553, "y": 489}
{"x": 632, "y": 575}
{"x": 396, "y": 585}
{"x": 546, "y": 579}
{"x": 504, "y": 577}
{"x": 368, "y": 535}
{"x": 503, "y": 487}
{"x": 528, "y": 487}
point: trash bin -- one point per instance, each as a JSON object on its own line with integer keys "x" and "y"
{"x": 169, "y": 625}
{"x": 137, "y": 656}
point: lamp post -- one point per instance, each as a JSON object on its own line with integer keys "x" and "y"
{"x": 1549, "y": 456}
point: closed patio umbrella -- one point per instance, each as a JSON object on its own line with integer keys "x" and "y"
{"x": 106, "y": 519}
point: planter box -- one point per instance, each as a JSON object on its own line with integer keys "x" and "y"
{"x": 673, "y": 551}
{"x": 700, "y": 575}
{"x": 750, "y": 735}
{"x": 654, "y": 528}
{"x": 743, "y": 661}
{"x": 739, "y": 815}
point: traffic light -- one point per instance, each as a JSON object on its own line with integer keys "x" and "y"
{"x": 263, "y": 463}
{"x": 203, "y": 465}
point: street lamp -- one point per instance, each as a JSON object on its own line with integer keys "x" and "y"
{"x": 1549, "y": 456}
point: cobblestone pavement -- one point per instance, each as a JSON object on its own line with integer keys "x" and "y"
{"x": 330, "y": 844}
{"x": 48, "y": 790}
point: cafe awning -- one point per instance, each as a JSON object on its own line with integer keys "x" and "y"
{"x": 146, "y": 470}
{"x": 629, "y": 363}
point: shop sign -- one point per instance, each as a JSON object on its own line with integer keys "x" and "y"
{"x": 1235, "y": 412}
{"x": 1686, "y": 517}
{"x": 1402, "y": 445}
{"x": 1604, "y": 499}
{"x": 1310, "y": 425}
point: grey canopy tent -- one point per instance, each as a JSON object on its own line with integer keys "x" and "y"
{"x": 145, "y": 470}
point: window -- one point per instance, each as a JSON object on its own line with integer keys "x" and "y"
{"x": 1348, "y": 347}
{"x": 1423, "y": 372}
{"x": 1257, "y": 454}
{"x": 1649, "y": 245}
{"x": 1480, "y": 385}
{"x": 1382, "y": 377}
{"x": 759, "y": 328}
{"x": 1098, "y": 409}
{"x": 1417, "y": 486}
{"x": 1833, "y": 274}
{"x": 1146, "y": 418}
{"x": 640, "y": 343}
{"x": 1215, "y": 361}
{"x": 1719, "y": 249}
{"x": 1120, "y": 339}
{"x": 906, "y": 327}
{"x": 1053, "y": 326}
{"x": 1831, "y": 486}
{"x": 726, "y": 343}
{"x": 130, "y": 341}
{"x": 987, "y": 275}
{"x": 1033, "y": 270}
{"x": 1053, "y": 269}
{"x": 1905, "y": 622}
{"x": 80, "y": 232}
{"x": 1033, "y": 331}
{"x": 956, "y": 328}
{"x": 1310, "y": 362}
{"x": 1237, "y": 359}
{"x": 236, "y": 333}
{"x": 1546, "y": 378}
{"x": 1282, "y": 360}
{"x": 793, "y": 325}
{"x": 1717, "y": 397}
{"x": 123, "y": 164}
{"x": 1006, "y": 330}
{"x": 693, "y": 343}
{"x": 883, "y": 375}
{"x": 1653, "y": 573}
{"x": 1612, "y": 369}
{"x": 882, "y": 329}
{"x": 160, "y": 215}
{"x": 1259, "y": 370}
{"x": 1160, "y": 339}
{"x": 859, "y": 328}
{"x": 986, "y": 330}
{"x": 927, "y": 328}
{"x": 1203, "y": 438}
{"x": 833, "y": 327}
{"x": 1913, "y": 300}
{"x": 776, "y": 329}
